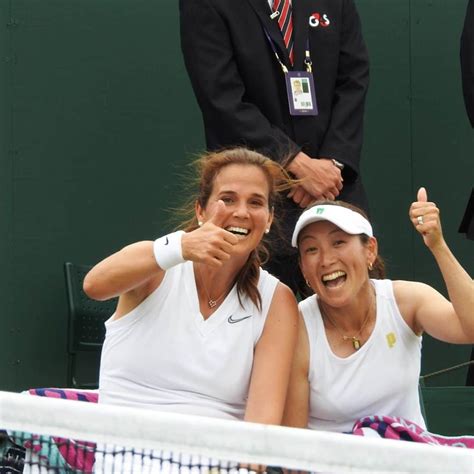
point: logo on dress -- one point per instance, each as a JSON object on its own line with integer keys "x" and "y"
{"x": 233, "y": 320}
{"x": 391, "y": 339}
{"x": 316, "y": 19}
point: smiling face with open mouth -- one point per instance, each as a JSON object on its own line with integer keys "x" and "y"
{"x": 244, "y": 189}
{"x": 334, "y": 262}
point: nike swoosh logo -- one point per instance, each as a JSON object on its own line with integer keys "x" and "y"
{"x": 167, "y": 241}
{"x": 233, "y": 320}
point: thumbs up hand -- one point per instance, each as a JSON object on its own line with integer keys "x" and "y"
{"x": 425, "y": 218}
{"x": 422, "y": 195}
{"x": 210, "y": 243}
{"x": 218, "y": 214}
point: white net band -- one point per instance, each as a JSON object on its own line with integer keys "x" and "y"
{"x": 231, "y": 441}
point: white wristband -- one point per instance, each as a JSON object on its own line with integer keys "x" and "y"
{"x": 167, "y": 250}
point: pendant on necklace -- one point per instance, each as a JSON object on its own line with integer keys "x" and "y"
{"x": 212, "y": 303}
{"x": 356, "y": 343}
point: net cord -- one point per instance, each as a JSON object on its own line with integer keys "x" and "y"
{"x": 229, "y": 440}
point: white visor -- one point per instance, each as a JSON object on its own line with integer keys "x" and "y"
{"x": 347, "y": 220}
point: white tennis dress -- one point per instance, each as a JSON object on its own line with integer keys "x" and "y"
{"x": 165, "y": 356}
{"x": 381, "y": 378}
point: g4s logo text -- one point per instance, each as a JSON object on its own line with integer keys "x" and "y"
{"x": 317, "y": 19}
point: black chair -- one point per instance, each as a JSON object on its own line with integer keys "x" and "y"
{"x": 86, "y": 328}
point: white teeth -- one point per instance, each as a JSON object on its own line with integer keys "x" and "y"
{"x": 333, "y": 275}
{"x": 238, "y": 230}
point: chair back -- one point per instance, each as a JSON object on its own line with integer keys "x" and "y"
{"x": 86, "y": 330}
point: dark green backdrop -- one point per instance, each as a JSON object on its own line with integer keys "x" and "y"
{"x": 97, "y": 118}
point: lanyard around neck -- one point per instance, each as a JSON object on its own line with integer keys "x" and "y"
{"x": 307, "y": 56}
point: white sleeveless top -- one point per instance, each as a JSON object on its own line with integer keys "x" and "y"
{"x": 381, "y": 378}
{"x": 164, "y": 355}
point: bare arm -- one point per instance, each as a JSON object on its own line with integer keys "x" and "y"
{"x": 272, "y": 360}
{"x": 123, "y": 271}
{"x": 450, "y": 321}
{"x": 460, "y": 288}
{"x": 133, "y": 272}
{"x": 297, "y": 400}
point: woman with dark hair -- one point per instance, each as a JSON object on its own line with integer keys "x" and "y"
{"x": 200, "y": 328}
{"x": 359, "y": 349}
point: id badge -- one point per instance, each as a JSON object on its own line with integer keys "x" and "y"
{"x": 301, "y": 93}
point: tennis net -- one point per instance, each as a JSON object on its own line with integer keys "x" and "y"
{"x": 47, "y": 435}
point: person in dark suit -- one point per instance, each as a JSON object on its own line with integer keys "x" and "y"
{"x": 230, "y": 51}
{"x": 467, "y": 61}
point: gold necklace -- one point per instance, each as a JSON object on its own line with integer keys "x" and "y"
{"x": 356, "y": 344}
{"x": 210, "y": 302}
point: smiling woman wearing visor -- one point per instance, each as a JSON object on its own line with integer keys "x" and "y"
{"x": 359, "y": 349}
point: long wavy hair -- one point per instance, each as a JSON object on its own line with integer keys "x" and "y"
{"x": 205, "y": 169}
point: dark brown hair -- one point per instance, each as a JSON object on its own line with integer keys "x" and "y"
{"x": 378, "y": 266}
{"x": 206, "y": 168}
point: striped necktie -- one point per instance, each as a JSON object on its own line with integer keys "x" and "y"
{"x": 285, "y": 22}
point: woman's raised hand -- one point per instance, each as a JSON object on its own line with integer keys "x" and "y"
{"x": 210, "y": 243}
{"x": 425, "y": 217}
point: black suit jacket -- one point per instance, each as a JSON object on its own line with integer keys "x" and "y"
{"x": 467, "y": 61}
{"x": 240, "y": 86}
